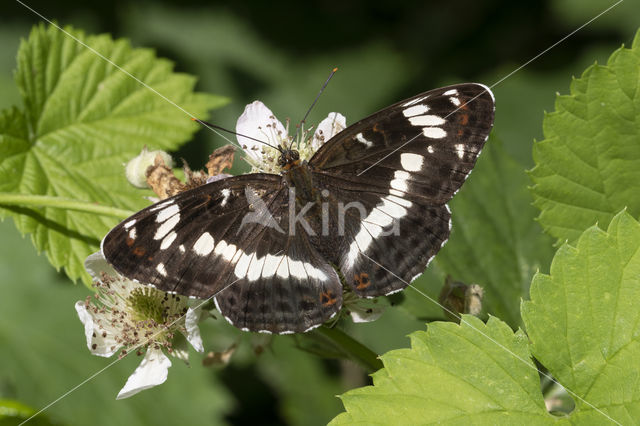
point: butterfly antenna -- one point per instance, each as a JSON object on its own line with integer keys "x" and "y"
{"x": 214, "y": 126}
{"x": 333, "y": 71}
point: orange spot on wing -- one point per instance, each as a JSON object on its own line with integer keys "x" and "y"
{"x": 328, "y": 299}
{"x": 361, "y": 281}
{"x": 130, "y": 241}
{"x": 464, "y": 119}
{"x": 139, "y": 251}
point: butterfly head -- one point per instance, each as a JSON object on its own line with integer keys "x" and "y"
{"x": 288, "y": 159}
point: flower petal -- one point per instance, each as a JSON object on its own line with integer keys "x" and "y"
{"x": 258, "y": 122}
{"x": 328, "y": 128}
{"x": 99, "y": 341}
{"x": 191, "y": 320}
{"x": 96, "y": 264}
{"x": 152, "y": 371}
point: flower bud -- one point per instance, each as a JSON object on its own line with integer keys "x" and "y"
{"x": 136, "y": 169}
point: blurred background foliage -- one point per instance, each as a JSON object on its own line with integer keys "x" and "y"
{"x": 281, "y": 53}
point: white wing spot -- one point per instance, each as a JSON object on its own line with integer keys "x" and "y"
{"x": 132, "y": 233}
{"x": 415, "y": 101}
{"x": 434, "y": 132}
{"x": 415, "y": 110}
{"x": 168, "y": 240}
{"x": 255, "y": 268}
{"x": 204, "y": 245}
{"x": 181, "y": 248}
{"x": 379, "y": 217}
{"x": 427, "y": 120}
{"x": 161, "y": 269}
{"x": 314, "y": 272}
{"x": 411, "y": 162}
{"x": 283, "y": 269}
{"x": 166, "y": 227}
{"x": 392, "y": 209}
{"x": 243, "y": 265}
{"x": 455, "y": 101}
{"x": 399, "y": 200}
{"x": 229, "y": 252}
{"x": 399, "y": 182}
{"x": 271, "y": 264}
{"x": 130, "y": 223}
{"x": 460, "y": 150}
{"x": 296, "y": 268}
{"x": 430, "y": 149}
{"x": 226, "y": 193}
{"x": 361, "y": 139}
{"x": 161, "y": 205}
{"x": 452, "y": 92}
{"x": 167, "y": 212}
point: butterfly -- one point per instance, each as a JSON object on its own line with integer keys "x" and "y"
{"x": 366, "y": 213}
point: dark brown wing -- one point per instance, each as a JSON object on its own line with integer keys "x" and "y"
{"x": 230, "y": 239}
{"x": 401, "y": 165}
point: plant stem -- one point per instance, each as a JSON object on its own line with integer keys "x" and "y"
{"x": 356, "y": 350}
{"x": 27, "y": 200}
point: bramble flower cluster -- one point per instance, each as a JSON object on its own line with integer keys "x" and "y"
{"x": 124, "y": 315}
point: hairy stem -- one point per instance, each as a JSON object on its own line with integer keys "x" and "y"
{"x": 25, "y": 200}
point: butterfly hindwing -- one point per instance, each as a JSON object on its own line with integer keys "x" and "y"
{"x": 291, "y": 290}
{"x": 386, "y": 241}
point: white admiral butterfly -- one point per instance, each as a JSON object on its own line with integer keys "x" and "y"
{"x": 377, "y": 190}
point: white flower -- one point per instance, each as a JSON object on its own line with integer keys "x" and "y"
{"x": 258, "y": 122}
{"x": 130, "y": 316}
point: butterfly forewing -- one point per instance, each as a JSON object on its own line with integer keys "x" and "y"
{"x": 230, "y": 239}
{"x": 425, "y": 146}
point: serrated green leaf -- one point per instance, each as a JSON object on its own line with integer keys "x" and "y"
{"x": 453, "y": 374}
{"x": 588, "y": 167}
{"x": 82, "y": 119}
{"x": 495, "y": 241}
{"x": 584, "y": 323}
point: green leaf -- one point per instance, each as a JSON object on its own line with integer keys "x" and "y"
{"x": 495, "y": 241}
{"x": 14, "y": 412}
{"x": 584, "y": 327}
{"x": 453, "y": 374}
{"x": 588, "y": 167}
{"x": 82, "y": 119}
{"x": 584, "y": 323}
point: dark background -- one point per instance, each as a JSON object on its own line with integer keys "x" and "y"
{"x": 281, "y": 53}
